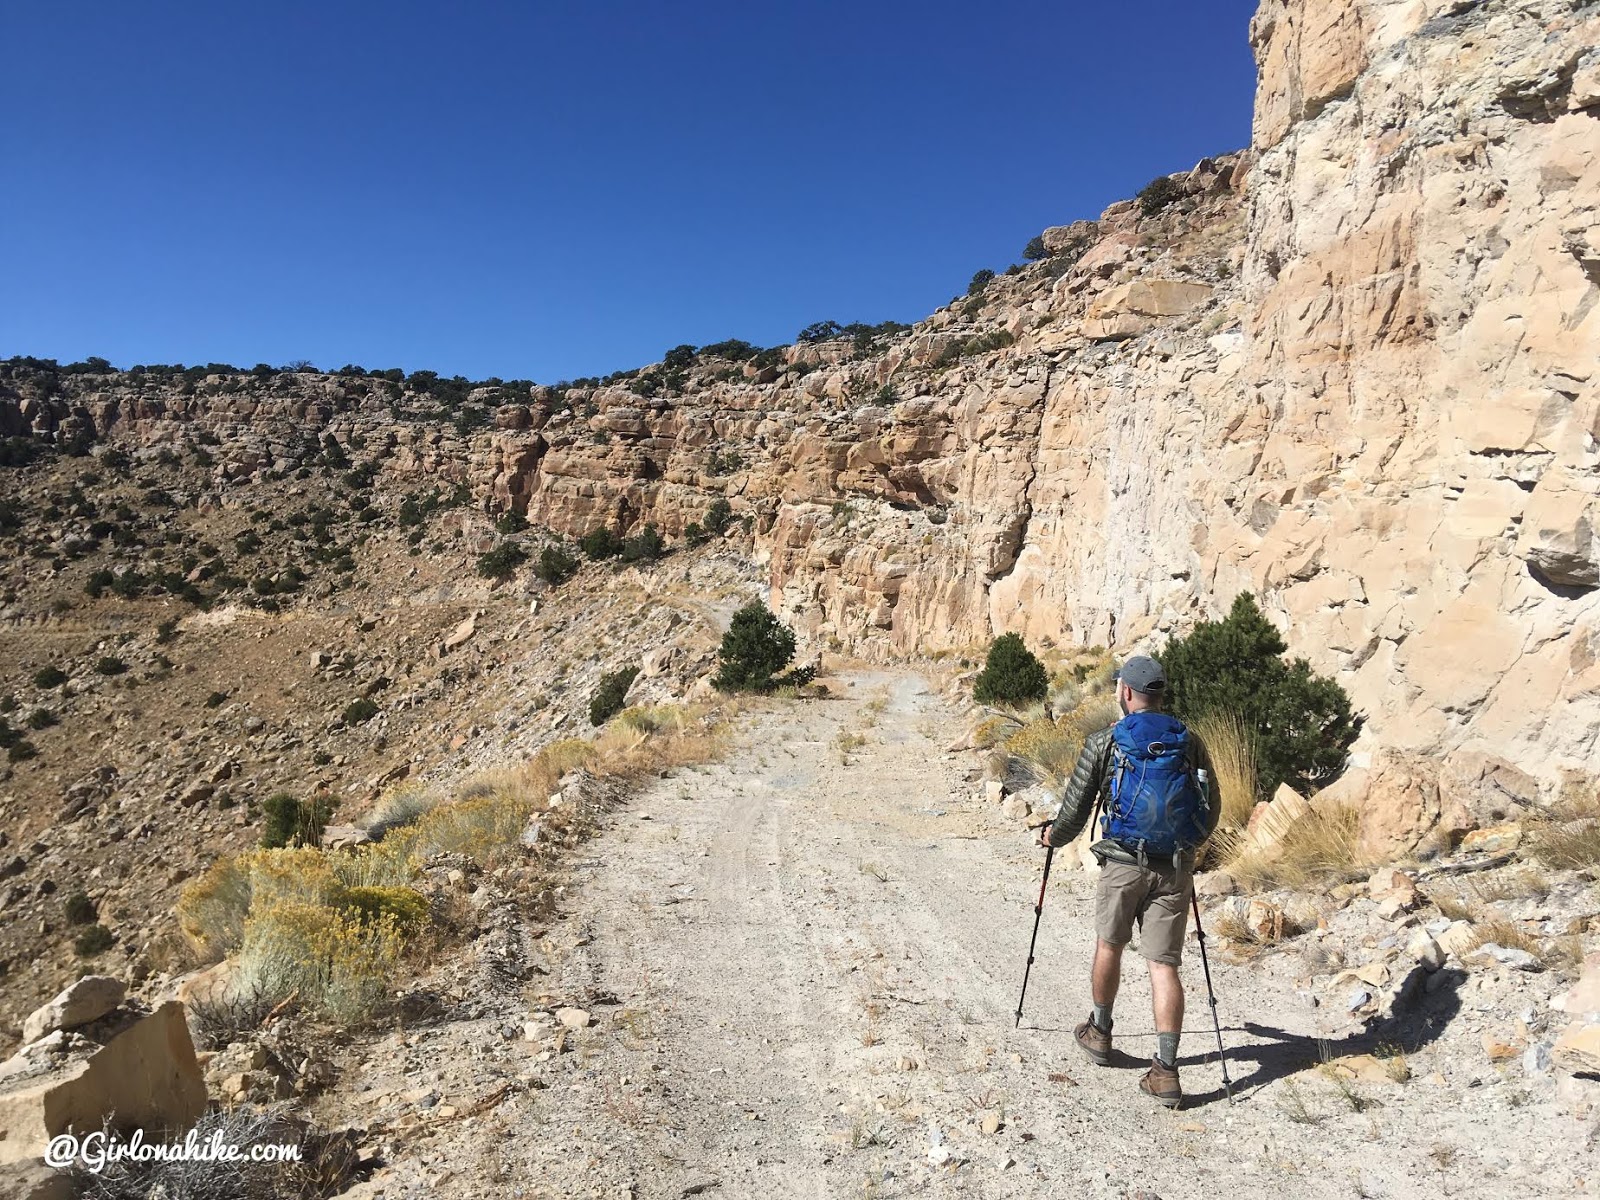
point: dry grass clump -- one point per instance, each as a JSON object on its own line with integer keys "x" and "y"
{"x": 1231, "y": 925}
{"x": 1514, "y": 883}
{"x": 406, "y": 908}
{"x": 1569, "y": 838}
{"x": 226, "y": 1016}
{"x": 302, "y": 875}
{"x": 212, "y": 909}
{"x": 1318, "y": 849}
{"x": 397, "y": 810}
{"x": 1232, "y": 750}
{"x": 656, "y": 718}
{"x": 1572, "y": 847}
{"x": 323, "y": 1163}
{"x": 479, "y": 828}
{"x": 332, "y": 927}
{"x": 1051, "y": 746}
{"x": 1490, "y": 926}
{"x": 990, "y": 731}
{"x": 1451, "y": 904}
{"x": 1093, "y": 715}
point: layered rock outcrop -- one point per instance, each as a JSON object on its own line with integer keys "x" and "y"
{"x": 1352, "y": 369}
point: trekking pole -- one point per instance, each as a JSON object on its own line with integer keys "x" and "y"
{"x": 1222, "y": 1057}
{"x": 1038, "y": 911}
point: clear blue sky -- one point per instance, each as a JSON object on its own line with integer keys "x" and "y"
{"x": 538, "y": 190}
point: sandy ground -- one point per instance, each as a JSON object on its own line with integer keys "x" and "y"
{"x": 803, "y": 972}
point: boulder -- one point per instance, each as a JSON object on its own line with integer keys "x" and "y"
{"x": 1069, "y": 237}
{"x": 1578, "y": 1047}
{"x": 1497, "y": 839}
{"x": 460, "y": 635}
{"x": 143, "y": 1076}
{"x": 211, "y": 985}
{"x": 1583, "y": 997}
{"x": 1506, "y": 956}
{"x": 1489, "y": 789}
{"x": 1271, "y": 821}
{"x": 35, "y": 1181}
{"x": 1425, "y": 950}
{"x": 574, "y": 1018}
{"x": 1558, "y": 537}
{"x": 1578, "y": 1095}
{"x": 1367, "y": 1068}
{"x": 1403, "y": 809}
{"x": 1502, "y": 1049}
{"x": 658, "y": 661}
{"x": 89, "y": 999}
{"x": 1393, "y": 891}
{"x": 1457, "y": 938}
{"x": 1264, "y": 919}
{"x": 344, "y": 837}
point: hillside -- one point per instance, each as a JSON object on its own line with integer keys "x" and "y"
{"x": 1355, "y": 364}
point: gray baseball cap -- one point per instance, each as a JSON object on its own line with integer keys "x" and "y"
{"x": 1144, "y": 675}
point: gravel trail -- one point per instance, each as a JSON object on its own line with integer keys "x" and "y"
{"x": 803, "y": 965}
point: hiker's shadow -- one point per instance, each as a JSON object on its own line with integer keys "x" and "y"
{"x": 1275, "y": 1053}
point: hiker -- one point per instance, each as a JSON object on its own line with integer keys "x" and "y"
{"x": 1150, "y": 776}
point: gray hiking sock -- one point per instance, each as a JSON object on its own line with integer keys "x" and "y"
{"x": 1167, "y": 1048}
{"x": 1100, "y": 1014}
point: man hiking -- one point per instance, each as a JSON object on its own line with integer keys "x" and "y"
{"x": 1150, "y": 776}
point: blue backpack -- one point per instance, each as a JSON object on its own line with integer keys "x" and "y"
{"x": 1154, "y": 802}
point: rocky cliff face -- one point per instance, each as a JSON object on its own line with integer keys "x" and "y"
{"x": 1388, "y": 429}
{"x": 1352, "y": 369}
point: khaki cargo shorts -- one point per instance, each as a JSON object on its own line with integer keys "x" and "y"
{"x": 1156, "y": 897}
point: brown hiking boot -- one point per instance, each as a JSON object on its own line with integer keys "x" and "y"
{"x": 1094, "y": 1042}
{"x": 1160, "y": 1083}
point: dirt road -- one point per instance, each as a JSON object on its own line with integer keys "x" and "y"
{"x": 803, "y": 963}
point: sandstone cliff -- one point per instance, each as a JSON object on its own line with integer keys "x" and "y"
{"x": 1352, "y": 369}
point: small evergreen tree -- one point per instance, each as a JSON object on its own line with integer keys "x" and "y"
{"x": 821, "y": 331}
{"x": 292, "y": 822}
{"x": 556, "y": 566}
{"x": 600, "y": 544}
{"x": 359, "y": 712}
{"x": 1303, "y": 722}
{"x": 1158, "y": 193}
{"x": 719, "y": 516}
{"x": 50, "y": 677}
{"x": 1035, "y": 249}
{"x": 1012, "y": 674}
{"x": 502, "y": 562}
{"x": 756, "y": 647}
{"x": 79, "y": 909}
{"x": 511, "y": 521}
{"x": 611, "y": 696}
{"x": 645, "y": 546}
{"x": 980, "y": 280}
{"x": 96, "y": 939}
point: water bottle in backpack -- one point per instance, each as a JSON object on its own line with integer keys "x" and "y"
{"x": 1155, "y": 803}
